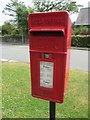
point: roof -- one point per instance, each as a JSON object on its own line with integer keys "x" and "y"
{"x": 83, "y": 17}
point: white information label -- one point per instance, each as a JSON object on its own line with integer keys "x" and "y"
{"x": 46, "y": 74}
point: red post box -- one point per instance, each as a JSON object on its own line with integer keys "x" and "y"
{"x": 50, "y": 39}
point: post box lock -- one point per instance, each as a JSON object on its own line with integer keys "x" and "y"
{"x": 46, "y": 55}
{"x": 49, "y": 40}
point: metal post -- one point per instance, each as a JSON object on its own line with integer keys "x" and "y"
{"x": 52, "y": 110}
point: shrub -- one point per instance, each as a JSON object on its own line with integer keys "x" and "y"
{"x": 77, "y": 40}
{"x": 11, "y": 38}
{"x": 81, "y": 41}
{"x": 80, "y": 30}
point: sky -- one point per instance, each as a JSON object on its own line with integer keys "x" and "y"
{"x": 28, "y": 2}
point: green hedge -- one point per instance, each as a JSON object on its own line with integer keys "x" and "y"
{"x": 14, "y": 39}
{"x": 77, "y": 40}
{"x": 81, "y": 41}
{"x": 11, "y": 36}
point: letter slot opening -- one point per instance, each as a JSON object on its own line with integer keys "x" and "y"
{"x": 47, "y": 32}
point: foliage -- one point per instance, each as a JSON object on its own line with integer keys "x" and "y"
{"x": 17, "y": 10}
{"x": 81, "y": 41}
{"x": 20, "y": 13}
{"x": 17, "y": 101}
{"x": 53, "y": 5}
{"x": 80, "y": 37}
{"x": 11, "y": 36}
{"x": 10, "y": 31}
{"x": 7, "y": 27}
{"x": 79, "y": 30}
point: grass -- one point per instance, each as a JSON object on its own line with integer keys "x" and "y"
{"x": 17, "y": 101}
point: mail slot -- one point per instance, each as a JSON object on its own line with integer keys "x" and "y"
{"x": 49, "y": 41}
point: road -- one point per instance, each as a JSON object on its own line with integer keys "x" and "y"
{"x": 78, "y": 60}
{"x": 15, "y": 52}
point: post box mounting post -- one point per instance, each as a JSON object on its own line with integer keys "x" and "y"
{"x": 52, "y": 110}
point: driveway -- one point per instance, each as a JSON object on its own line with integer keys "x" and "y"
{"x": 78, "y": 60}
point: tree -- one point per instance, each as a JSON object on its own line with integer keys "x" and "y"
{"x": 7, "y": 27}
{"x": 53, "y": 5}
{"x": 20, "y": 13}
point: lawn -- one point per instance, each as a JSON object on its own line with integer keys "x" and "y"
{"x": 17, "y": 101}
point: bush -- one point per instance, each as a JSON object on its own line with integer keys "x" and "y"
{"x": 13, "y": 39}
{"x": 12, "y": 36}
{"x": 81, "y": 41}
{"x": 80, "y": 30}
{"x": 77, "y": 40}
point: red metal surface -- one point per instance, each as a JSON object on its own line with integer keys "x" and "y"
{"x": 50, "y": 33}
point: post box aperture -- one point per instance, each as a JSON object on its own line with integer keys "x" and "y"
{"x": 49, "y": 40}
